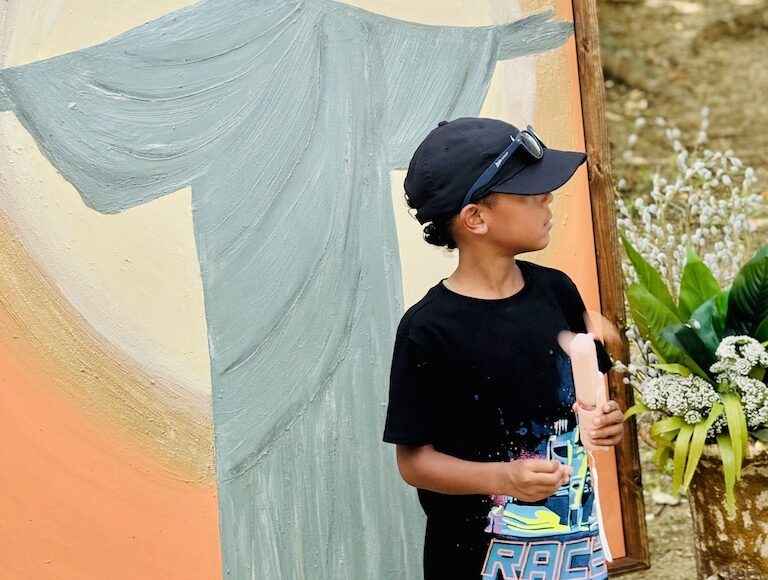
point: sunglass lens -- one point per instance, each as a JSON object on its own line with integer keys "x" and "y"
{"x": 531, "y": 144}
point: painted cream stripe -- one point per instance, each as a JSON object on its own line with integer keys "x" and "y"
{"x": 44, "y": 331}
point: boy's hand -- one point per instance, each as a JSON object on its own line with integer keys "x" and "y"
{"x": 534, "y": 479}
{"x": 608, "y": 429}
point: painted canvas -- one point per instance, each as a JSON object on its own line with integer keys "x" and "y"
{"x": 205, "y": 253}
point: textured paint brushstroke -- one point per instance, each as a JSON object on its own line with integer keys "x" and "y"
{"x": 285, "y": 117}
{"x": 168, "y": 422}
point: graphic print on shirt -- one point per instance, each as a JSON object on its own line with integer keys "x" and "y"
{"x": 568, "y": 511}
{"x": 556, "y": 537}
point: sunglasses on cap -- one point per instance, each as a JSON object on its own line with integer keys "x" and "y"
{"x": 527, "y": 141}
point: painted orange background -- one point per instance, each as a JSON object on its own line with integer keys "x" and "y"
{"x": 76, "y": 504}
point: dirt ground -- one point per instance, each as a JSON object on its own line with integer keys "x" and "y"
{"x": 670, "y": 58}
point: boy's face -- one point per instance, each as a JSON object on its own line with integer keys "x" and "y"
{"x": 519, "y": 223}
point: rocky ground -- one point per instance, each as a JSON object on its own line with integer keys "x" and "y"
{"x": 670, "y": 58}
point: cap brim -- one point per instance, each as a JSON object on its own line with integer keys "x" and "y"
{"x": 553, "y": 170}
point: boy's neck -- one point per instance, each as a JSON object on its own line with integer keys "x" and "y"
{"x": 486, "y": 276}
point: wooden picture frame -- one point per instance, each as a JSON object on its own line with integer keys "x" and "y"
{"x": 611, "y": 282}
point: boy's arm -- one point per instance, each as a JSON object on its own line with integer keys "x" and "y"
{"x": 526, "y": 479}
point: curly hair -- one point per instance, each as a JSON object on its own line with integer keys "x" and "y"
{"x": 439, "y": 232}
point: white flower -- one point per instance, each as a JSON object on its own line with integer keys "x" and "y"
{"x": 689, "y": 397}
{"x": 655, "y": 394}
{"x": 738, "y": 355}
{"x": 692, "y": 417}
{"x": 754, "y": 399}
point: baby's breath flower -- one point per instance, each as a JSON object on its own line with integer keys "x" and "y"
{"x": 754, "y": 398}
{"x": 692, "y": 417}
{"x": 738, "y": 355}
{"x": 688, "y": 397}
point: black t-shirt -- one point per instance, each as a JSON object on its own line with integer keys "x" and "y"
{"x": 485, "y": 380}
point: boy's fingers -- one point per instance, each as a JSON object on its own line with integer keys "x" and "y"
{"x": 544, "y": 465}
{"x": 549, "y": 479}
{"x": 606, "y": 432}
{"x": 616, "y": 417}
{"x": 610, "y": 406}
{"x": 609, "y": 430}
{"x": 612, "y": 418}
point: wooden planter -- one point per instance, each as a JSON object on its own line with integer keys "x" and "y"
{"x": 731, "y": 547}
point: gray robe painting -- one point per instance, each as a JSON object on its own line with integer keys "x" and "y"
{"x": 285, "y": 117}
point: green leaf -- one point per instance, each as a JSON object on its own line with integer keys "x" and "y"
{"x": 648, "y": 312}
{"x": 663, "y": 442}
{"x": 673, "y": 369}
{"x": 748, "y": 298}
{"x": 737, "y": 428}
{"x": 667, "y": 425}
{"x": 662, "y": 454}
{"x": 709, "y": 320}
{"x": 651, "y": 316}
{"x": 697, "y": 443}
{"x": 729, "y": 471}
{"x": 681, "y": 454}
{"x": 649, "y": 277}
{"x": 635, "y": 409}
{"x": 761, "y": 333}
{"x": 700, "y": 337}
{"x": 697, "y": 284}
{"x": 685, "y": 338}
{"x": 761, "y": 434}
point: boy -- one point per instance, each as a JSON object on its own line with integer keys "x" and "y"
{"x": 481, "y": 395}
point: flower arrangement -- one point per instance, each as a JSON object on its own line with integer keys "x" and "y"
{"x": 699, "y": 324}
{"x": 710, "y": 345}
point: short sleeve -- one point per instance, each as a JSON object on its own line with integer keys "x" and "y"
{"x": 410, "y": 411}
{"x": 575, "y": 316}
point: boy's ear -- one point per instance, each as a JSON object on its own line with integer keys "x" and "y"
{"x": 472, "y": 219}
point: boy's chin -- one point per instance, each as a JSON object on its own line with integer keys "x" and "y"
{"x": 539, "y": 245}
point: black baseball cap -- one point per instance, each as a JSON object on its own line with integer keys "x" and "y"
{"x": 455, "y": 154}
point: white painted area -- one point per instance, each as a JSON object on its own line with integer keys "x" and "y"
{"x": 133, "y": 276}
{"x": 511, "y": 95}
{"x": 438, "y": 12}
{"x": 38, "y": 29}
